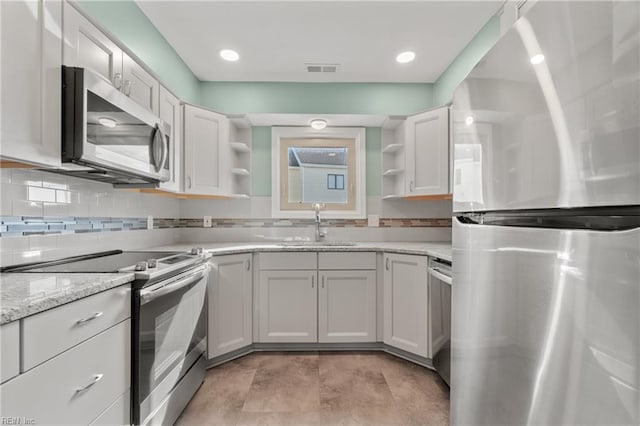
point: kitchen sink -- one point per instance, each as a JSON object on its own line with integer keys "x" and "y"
{"x": 315, "y": 244}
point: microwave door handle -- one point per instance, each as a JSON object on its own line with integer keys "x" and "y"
{"x": 150, "y": 294}
{"x": 165, "y": 150}
{"x": 158, "y": 163}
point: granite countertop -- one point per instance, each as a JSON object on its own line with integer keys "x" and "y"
{"x": 440, "y": 250}
{"x": 24, "y": 294}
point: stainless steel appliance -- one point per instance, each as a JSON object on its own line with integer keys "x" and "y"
{"x": 546, "y": 242}
{"x": 169, "y": 326}
{"x": 440, "y": 316}
{"x": 108, "y": 137}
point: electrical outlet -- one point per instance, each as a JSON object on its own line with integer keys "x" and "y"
{"x": 373, "y": 220}
{"x": 149, "y": 222}
{"x": 207, "y": 221}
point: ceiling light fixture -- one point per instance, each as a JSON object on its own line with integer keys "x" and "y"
{"x": 229, "y": 55}
{"x": 107, "y": 122}
{"x": 537, "y": 59}
{"x": 406, "y": 57}
{"x": 318, "y": 124}
{"x": 469, "y": 120}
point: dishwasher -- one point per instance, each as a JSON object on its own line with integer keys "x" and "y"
{"x": 440, "y": 316}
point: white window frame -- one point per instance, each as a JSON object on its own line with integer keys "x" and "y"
{"x": 356, "y": 133}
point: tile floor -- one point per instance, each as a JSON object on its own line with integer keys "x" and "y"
{"x": 319, "y": 388}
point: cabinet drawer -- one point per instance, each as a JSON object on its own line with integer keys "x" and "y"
{"x": 49, "y": 394}
{"x": 342, "y": 260}
{"x": 51, "y": 332}
{"x": 9, "y": 350}
{"x": 118, "y": 413}
{"x": 288, "y": 261}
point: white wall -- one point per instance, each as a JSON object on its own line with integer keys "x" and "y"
{"x": 314, "y": 185}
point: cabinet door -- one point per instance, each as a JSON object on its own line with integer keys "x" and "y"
{"x": 139, "y": 85}
{"x": 347, "y": 306}
{"x": 87, "y": 47}
{"x": 230, "y": 304}
{"x": 205, "y": 148}
{"x": 31, "y": 48}
{"x": 406, "y": 303}
{"x": 288, "y": 306}
{"x": 427, "y": 153}
{"x": 169, "y": 112}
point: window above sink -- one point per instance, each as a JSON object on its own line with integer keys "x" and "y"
{"x": 318, "y": 166}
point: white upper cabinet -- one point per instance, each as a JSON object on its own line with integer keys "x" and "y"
{"x": 427, "y": 153}
{"x": 139, "y": 85}
{"x": 206, "y": 152}
{"x": 406, "y": 303}
{"x": 230, "y": 304}
{"x": 170, "y": 113}
{"x": 31, "y": 48}
{"x": 87, "y": 47}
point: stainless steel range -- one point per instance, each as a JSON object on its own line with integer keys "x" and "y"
{"x": 169, "y": 332}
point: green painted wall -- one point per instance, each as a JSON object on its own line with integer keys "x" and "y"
{"x": 465, "y": 61}
{"x": 374, "y": 160}
{"x": 125, "y": 20}
{"x": 316, "y": 98}
{"x": 261, "y": 161}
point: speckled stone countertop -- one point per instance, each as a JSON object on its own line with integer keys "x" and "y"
{"x": 24, "y": 294}
{"x": 440, "y": 250}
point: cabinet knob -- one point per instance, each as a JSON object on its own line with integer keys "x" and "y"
{"x": 117, "y": 80}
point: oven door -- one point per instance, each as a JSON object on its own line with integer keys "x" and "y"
{"x": 171, "y": 335}
{"x": 103, "y": 127}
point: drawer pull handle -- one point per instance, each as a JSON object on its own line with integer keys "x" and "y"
{"x": 92, "y": 317}
{"x": 96, "y": 379}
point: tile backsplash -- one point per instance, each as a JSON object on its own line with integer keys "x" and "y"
{"x": 45, "y": 216}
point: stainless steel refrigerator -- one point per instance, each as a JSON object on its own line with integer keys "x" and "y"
{"x": 546, "y": 234}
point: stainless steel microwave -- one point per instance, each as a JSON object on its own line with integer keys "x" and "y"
{"x": 108, "y": 137}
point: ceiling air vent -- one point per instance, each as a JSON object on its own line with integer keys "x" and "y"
{"x": 322, "y": 67}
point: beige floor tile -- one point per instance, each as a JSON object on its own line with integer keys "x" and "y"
{"x": 325, "y": 388}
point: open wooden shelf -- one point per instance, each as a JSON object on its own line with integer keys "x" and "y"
{"x": 393, "y": 147}
{"x": 240, "y": 147}
{"x": 392, "y": 172}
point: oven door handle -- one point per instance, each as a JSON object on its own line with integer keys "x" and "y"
{"x": 152, "y": 293}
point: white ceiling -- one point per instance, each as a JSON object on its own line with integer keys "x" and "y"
{"x": 275, "y": 39}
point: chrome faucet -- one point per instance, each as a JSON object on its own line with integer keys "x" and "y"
{"x": 316, "y": 208}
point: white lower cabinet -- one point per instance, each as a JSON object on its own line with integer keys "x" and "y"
{"x": 75, "y": 387}
{"x": 406, "y": 303}
{"x": 288, "y": 306}
{"x": 230, "y": 304}
{"x": 347, "y": 306}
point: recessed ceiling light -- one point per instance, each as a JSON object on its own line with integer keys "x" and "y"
{"x": 229, "y": 55}
{"x": 537, "y": 59}
{"x": 107, "y": 122}
{"x": 318, "y": 124}
{"x": 332, "y": 154}
{"x": 406, "y": 57}
{"x": 469, "y": 120}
